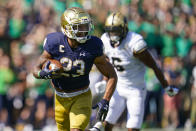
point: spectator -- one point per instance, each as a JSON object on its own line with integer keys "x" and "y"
{"x": 168, "y": 26}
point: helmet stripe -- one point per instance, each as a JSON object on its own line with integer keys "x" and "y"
{"x": 113, "y": 18}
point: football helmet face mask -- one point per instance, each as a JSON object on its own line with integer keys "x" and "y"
{"x": 76, "y": 24}
{"x": 116, "y": 27}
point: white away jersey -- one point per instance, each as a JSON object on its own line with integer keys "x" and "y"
{"x": 129, "y": 69}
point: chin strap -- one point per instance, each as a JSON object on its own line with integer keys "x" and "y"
{"x": 83, "y": 39}
{"x": 115, "y": 43}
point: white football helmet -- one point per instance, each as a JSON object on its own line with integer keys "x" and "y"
{"x": 116, "y": 22}
{"x": 75, "y": 21}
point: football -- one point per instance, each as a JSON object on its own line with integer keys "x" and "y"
{"x": 54, "y": 64}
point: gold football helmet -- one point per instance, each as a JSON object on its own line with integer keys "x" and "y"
{"x": 76, "y": 24}
{"x": 116, "y": 24}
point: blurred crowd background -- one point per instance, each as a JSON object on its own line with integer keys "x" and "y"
{"x": 168, "y": 26}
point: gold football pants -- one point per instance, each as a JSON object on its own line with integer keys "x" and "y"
{"x": 73, "y": 112}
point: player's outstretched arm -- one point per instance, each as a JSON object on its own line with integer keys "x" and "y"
{"x": 38, "y": 67}
{"x": 149, "y": 61}
{"x": 146, "y": 57}
{"x": 107, "y": 70}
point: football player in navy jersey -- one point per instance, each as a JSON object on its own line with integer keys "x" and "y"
{"x": 77, "y": 51}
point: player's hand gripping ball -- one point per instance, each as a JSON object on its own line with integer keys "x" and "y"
{"x": 54, "y": 64}
{"x": 51, "y": 69}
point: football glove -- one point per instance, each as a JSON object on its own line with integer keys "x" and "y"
{"x": 100, "y": 87}
{"x": 171, "y": 90}
{"x": 48, "y": 74}
{"x": 102, "y": 106}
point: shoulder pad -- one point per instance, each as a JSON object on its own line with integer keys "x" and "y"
{"x": 139, "y": 46}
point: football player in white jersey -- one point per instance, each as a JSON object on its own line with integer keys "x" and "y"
{"x": 128, "y": 53}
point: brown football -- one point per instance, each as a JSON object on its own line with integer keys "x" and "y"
{"x": 54, "y": 64}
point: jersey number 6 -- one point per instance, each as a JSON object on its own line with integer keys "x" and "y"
{"x": 115, "y": 62}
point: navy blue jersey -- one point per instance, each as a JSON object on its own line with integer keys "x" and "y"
{"x": 77, "y": 62}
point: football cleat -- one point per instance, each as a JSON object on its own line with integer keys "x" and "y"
{"x": 97, "y": 127}
{"x": 74, "y": 22}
